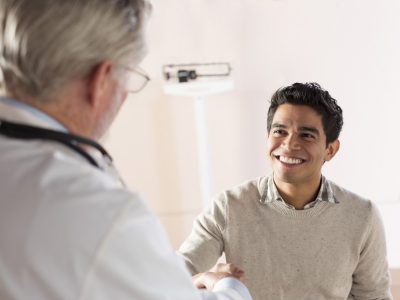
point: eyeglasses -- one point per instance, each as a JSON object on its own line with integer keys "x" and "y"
{"x": 137, "y": 80}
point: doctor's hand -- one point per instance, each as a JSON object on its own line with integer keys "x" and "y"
{"x": 207, "y": 280}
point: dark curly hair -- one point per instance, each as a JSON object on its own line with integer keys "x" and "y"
{"x": 312, "y": 95}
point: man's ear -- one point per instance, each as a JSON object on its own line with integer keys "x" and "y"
{"x": 332, "y": 149}
{"x": 99, "y": 81}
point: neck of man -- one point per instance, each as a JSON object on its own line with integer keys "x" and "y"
{"x": 299, "y": 194}
{"x": 67, "y": 109}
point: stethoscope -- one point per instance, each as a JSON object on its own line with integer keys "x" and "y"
{"x": 27, "y": 132}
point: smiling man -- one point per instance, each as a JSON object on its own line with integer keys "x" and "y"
{"x": 296, "y": 234}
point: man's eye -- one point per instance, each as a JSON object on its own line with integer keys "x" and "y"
{"x": 278, "y": 132}
{"x": 308, "y": 136}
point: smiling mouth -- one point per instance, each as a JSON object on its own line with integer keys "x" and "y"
{"x": 289, "y": 160}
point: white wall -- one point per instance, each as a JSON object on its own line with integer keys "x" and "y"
{"x": 350, "y": 47}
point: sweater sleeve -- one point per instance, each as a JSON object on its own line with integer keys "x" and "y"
{"x": 205, "y": 243}
{"x": 371, "y": 279}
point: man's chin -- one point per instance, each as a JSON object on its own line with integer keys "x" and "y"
{"x": 286, "y": 178}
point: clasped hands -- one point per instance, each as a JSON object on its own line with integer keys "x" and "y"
{"x": 207, "y": 280}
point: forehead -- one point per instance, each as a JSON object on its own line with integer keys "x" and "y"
{"x": 298, "y": 116}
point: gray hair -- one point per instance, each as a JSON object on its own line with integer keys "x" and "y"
{"x": 44, "y": 44}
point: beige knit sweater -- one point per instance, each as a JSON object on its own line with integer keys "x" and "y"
{"x": 331, "y": 251}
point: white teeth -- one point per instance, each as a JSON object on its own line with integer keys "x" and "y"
{"x": 289, "y": 160}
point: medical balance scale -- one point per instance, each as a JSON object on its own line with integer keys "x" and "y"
{"x": 198, "y": 81}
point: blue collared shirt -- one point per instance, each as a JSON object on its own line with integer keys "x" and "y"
{"x": 34, "y": 111}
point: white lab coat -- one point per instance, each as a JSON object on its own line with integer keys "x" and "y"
{"x": 71, "y": 231}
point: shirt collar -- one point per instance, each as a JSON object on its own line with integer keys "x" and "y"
{"x": 35, "y": 112}
{"x": 325, "y": 193}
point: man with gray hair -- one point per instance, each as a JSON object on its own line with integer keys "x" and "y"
{"x": 69, "y": 228}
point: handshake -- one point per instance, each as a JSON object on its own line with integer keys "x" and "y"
{"x": 207, "y": 280}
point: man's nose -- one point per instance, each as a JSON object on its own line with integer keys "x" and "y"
{"x": 291, "y": 142}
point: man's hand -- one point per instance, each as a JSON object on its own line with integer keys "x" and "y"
{"x": 207, "y": 280}
{"x": 228, "y": 268}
